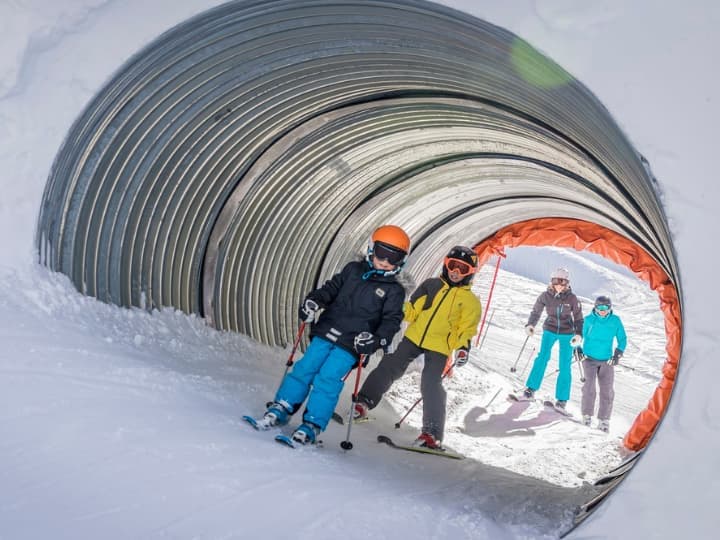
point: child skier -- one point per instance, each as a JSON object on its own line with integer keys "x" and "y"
{"x": 601, "y": 329}
{"x": 443, "y": 314}
{"x": 564, "y": 324}
{"x": 362, "y": 311}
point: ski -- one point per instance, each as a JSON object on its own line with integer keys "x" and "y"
{"x": 519, "y": 397}
{"x": 284, "y": 439}
{"x": 253, "y": 422}
{"x": 422, "y": 450}
{"x": 288, "y": 441}
{"x": 340, "y": 420}
{"x": 551, "y": 405}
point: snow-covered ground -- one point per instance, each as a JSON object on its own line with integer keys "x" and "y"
{"x": 119, "y": 420}
{"x": 121, "y": 424}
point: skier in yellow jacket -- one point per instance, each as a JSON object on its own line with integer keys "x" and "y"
{"x": 443, "y": 314}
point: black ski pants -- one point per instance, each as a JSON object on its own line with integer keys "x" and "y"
{"x": 393, "y": 366}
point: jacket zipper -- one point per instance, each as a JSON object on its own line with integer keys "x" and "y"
{"x": 427, "y": 326}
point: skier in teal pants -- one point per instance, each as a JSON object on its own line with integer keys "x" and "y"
{"x": 563, "y": 324}
{"x": 353, "y": 314}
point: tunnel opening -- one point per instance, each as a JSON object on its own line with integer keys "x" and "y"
{"x": 581, "y": 235}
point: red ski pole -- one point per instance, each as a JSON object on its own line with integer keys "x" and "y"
{"x": 294, "y": 348}
{"x": 346, "y": 444}
{"x": 490, "y": 293}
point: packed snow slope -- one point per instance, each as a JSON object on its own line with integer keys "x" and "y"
{"x": 120, "y": 423}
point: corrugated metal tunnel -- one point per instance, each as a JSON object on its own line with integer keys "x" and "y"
{"x": 267, "y": 139}
{"x": 245, "y": 155}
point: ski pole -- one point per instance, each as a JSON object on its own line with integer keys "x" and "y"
{"x": 346, "y": 444}
{"x": 513, "y": 369}
{"x": 490, "y": 293}
{"x": 579, "y": 365}
{"x": 527, "y": 362}
{"x": 397, "y": 424}
{"x": 292, "y": 354}
{"x": 294, "y": 348}
{"x": 558, "y": 369}
{"x": 486, "y": 329}
{"x": 485, "y": 408}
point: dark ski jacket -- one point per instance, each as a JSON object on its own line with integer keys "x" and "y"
{"x": 353, "y": 305}
{"x": 564, "y": 312}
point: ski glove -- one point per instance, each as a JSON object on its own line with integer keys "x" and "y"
{"x": 365, "y": 343}
{"x": 460, "y": 356}
{"x": 617, "y": 355}
{"x": 576, "y": 340}
{"x": 529, "y": 329}
{"x": 308, "y": 310}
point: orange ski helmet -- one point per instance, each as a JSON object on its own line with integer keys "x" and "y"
{"x": 389, "y": 242}
{"x": 393, "y": 236}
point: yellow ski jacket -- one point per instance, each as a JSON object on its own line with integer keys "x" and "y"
{"x": 442, "y": 318}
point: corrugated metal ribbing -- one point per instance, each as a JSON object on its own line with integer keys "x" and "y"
{"x": 247, "y": 153}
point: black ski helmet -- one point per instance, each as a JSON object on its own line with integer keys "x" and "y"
{"x": 603, "y": 300}
{"x": 466, "y": 255}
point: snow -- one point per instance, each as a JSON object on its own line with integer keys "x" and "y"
{"x": 118, "y": 423}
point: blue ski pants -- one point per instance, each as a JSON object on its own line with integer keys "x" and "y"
{"x": 564, "y": 379}
{"x": 320, "y": 374}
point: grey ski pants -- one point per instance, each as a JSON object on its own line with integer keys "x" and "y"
{"x": 393, "y": 366}
{"x": 605, "y": 376}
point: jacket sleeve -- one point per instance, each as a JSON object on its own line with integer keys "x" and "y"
{"x": 392, "y": 317}
{"x": 537, "y": 310}
{"x": 325, "y": 295}
{"x": 621, "y": 336}
{"x": 577, "y": 313}
{"x": 414, "y": 306}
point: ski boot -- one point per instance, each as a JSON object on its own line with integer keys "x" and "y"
{"x": 604, "y": 425}
{"x": 426, "y": 440}
{"x": 306, "y": 434}
{"x": 360, "y": 410}
{"x": 560, "y": 404}
{"x": 529, "y": 393}
{"x": 277, "y": 414}
{"x": 586, "y": 419}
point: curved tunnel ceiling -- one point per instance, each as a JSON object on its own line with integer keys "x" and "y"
{"x": 247, "y": 153}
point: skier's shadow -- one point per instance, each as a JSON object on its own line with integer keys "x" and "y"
{"x": 506, "y": 424}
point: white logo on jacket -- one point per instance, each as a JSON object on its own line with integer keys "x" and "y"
{"x": 380, "y": 292}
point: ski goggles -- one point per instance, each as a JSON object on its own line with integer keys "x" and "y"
{"x": 383, "y": 252}
{"x": 559, "y": 281}
{"x": 602, "y": 307}
{"x": 459, "y": 266}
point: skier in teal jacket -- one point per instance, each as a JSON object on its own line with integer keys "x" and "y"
{"x": 601, "y": 330}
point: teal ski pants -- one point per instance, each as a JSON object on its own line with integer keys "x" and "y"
{"x": 564, "y": 379}
{"x": 320, "y": 374}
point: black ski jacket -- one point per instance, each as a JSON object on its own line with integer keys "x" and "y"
{"x": 353, "y": 305}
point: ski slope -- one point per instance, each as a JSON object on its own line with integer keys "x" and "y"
{"x": 124, "y": 421}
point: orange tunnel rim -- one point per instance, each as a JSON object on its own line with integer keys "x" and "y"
{"x": 584, "y": 235}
